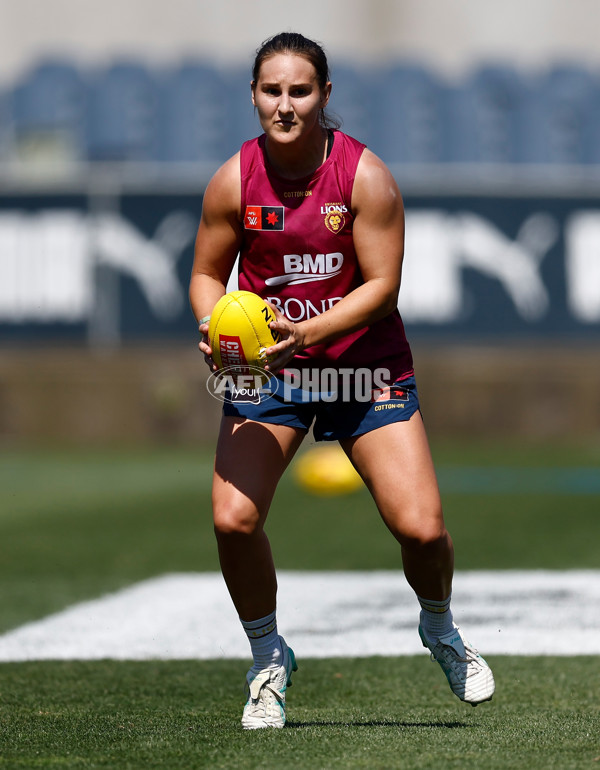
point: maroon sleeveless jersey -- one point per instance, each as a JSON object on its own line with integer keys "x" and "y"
{"x": 298, "y": 253}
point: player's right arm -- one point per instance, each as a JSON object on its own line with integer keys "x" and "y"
{"x": 217, "y": 243}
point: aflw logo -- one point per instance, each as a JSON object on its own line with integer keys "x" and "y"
{"x": 264, "y": 218}
{"x": 302, "y": 268}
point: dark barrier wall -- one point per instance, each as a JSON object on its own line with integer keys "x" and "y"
{"x": 158, "y": 393}
{"x": 105, "y": 269}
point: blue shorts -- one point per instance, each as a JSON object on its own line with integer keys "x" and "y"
{"x": 331, "y": 418}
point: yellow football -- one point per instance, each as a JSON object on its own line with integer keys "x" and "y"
{"x": 326, "y": 470}
{"x": 239, "y": 332}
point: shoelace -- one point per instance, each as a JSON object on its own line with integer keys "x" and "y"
{"x": 262, "y": 681}
{"x": 454, "y": 660}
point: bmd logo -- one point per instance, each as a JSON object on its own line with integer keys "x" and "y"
{"x": 304, "y": 268}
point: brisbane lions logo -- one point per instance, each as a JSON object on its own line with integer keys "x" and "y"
{"x": 334, "y": 216}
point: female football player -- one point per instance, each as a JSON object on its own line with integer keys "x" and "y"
{"x": 318, "y": 222}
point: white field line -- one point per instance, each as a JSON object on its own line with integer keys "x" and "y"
{"x": 322, "y": 614}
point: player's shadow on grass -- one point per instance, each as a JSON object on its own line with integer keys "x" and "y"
{"x": 377, "y": 723}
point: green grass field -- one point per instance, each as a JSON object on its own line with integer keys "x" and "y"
{"x": 77, "y": 524}
{"x": 370, "y": 713}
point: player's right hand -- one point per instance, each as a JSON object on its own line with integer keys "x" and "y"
{"x": 205, "y": 347}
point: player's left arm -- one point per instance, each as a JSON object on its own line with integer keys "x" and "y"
{"x": 378, "y": 233}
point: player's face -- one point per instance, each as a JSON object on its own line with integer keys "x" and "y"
{"x": 288, "y": 98}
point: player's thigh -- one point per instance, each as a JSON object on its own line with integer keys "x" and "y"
{"x": 396, "y": 464}
{"x": 250, "y": 459}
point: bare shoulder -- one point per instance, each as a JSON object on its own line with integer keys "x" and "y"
{"x": 223, "y": 192}
{"x": 374, "y": 185}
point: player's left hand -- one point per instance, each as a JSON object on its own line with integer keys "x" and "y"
{"x": 292, "y": 341}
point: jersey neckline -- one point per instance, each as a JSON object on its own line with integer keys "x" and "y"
{"x": 270, "y": 171}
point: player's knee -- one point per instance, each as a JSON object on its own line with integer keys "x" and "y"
{"x": 235, "y": 521}
{"x": 426, "y": 536}
{"x": 432, "y": 541}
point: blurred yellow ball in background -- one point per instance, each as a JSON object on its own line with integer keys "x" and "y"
{"x": 326, "y": 471}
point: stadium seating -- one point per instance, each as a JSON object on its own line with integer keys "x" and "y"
{"x": 48, "y": 111}
{"x": 194, "y": 112}
{"x": 5, "y": 127}
{"x": 592, "y": 134}
{"x": 242, "y": 122}
{"x": 408, "y": 115}
{"x": 485, "y": 116}
{"x": 351, "y": 101}
{"x": 192, "y": 115}
{"x": 122, "y": 115}
{"x": 559, "y": 116}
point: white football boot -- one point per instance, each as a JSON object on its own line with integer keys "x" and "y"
{"x": 266, "y": 697}
{"x": 469, "y": 676}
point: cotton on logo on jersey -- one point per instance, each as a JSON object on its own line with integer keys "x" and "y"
{"x": 263, "y": 218}
{"x": 303, "y": 268}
